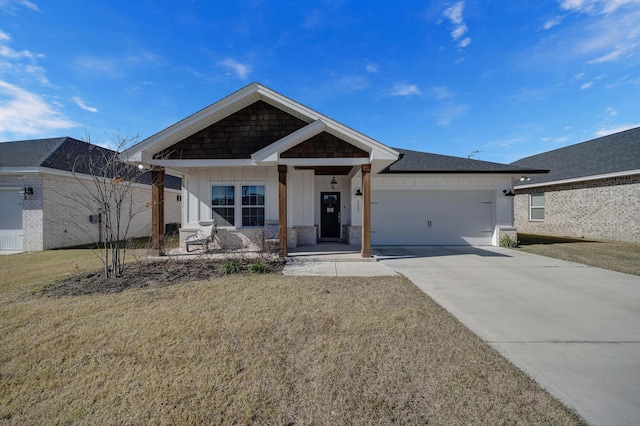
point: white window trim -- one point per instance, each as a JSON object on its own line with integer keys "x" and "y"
{"x": 532, "y": 207}
{"x": 237, "y": 206}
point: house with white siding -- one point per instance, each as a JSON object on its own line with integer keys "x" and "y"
{"x": 257, "y": 161}
{"x": 40, "y": 185}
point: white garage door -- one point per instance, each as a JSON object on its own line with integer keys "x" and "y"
{"x": 400, "y": 217}
{"x": 10, "y": 220}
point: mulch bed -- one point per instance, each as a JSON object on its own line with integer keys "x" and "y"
{"x": 148, "y": 275}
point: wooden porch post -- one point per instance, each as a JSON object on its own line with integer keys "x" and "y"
{"x": 157, "y": 210}
{"x": 282, "y": 213}
{"x": 366, "y": 210}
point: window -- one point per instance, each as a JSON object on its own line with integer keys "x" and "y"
{"x": 230, "y": 210}
{"x": 223, "y": 204}
{"x": 252, "y": 205}
{"x": 537, "y": 207}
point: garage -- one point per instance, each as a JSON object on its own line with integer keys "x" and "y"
{"x": 10, "y": 220}
{"x": 432, "y": 217}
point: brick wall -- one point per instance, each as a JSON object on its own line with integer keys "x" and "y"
{"x": 67, "y": 207}
{"x": 606, "y": 209}
{"x": 32, "y": 215}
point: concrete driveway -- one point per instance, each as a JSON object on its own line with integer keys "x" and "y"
{"x": 572, "y": 328}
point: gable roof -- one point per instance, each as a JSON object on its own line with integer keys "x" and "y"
{"x": 422, "y": 162}
{"x": 30, "y": 153}
{"x": 60, "y": 154}
{"x": 618, "y": 153}
{"x": 143, "y": 152}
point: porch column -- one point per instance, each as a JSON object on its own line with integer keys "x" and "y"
{"x": 157, "y": 210}
{"x": 366, "y": 210}
{"x": 282, "y": 213}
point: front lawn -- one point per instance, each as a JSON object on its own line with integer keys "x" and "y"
{"x": 613, "y": 255}
{"x": 247, "y": 349}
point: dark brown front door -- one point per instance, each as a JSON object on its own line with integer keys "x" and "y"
{"x": 330, "y": 215}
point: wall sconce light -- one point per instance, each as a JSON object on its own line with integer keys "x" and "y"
{"x": 358, "y": 193}
{"x": 334, "y": 183}
{"x": 525, "y": 179}
{"x": 26, "y": 193}
{"x": 508, "y": 194}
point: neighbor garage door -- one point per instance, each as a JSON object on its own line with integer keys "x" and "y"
{"x": 10, "y": 220}
{"x": 419, "y": 217}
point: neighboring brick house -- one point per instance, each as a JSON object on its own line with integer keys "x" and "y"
{"x": 37, "y": 190}
{"x": 592, "y": 190}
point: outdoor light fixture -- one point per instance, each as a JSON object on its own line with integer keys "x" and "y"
{"x": 508, "y": 194}
{"x": 358, "y": 192}
{"x": 525, "y": 178}
{"x": 334, "y": 182}
{"x": 26, "y": 193}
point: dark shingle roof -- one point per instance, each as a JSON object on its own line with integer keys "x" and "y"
{"x": 63, "y": 153}
{"x": 619, "y": 152}
{"x": 423, "y": 162}
{"x": 29, "y": 153}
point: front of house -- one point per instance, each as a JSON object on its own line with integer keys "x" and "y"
{"x": 261, "y": 163}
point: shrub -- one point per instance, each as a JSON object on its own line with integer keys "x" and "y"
{"x": 259, "y": 267}
{"x": 507, "y": 241}
{"x": 231, "y": 267}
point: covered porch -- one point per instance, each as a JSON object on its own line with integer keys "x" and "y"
{"x": 266, "y": 167}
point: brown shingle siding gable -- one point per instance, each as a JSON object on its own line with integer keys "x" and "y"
{"x": 236, "y": 136}
{"x": 324, "y": 145}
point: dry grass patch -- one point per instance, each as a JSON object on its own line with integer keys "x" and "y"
{"x": 257, "y": 349}
{"x": 612, "y": 255}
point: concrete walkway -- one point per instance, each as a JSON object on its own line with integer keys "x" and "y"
{"x": 572, "y": 328}
{"x": 330, "y": 268}
{"x": 334, "y": 260}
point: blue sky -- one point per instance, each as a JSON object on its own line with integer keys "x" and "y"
{"x": 494, "y": 79}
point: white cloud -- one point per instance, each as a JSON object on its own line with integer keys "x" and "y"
{"x": 9, "y": 53}
{"x": 441, "y": 92}
{"x": 402, "y": 89}
{"x": 556, "y": 20}
{"x": 616, "y": 54}
{"x": 616, "y": 129}
{"x": 21, "y": 65}
{"x": 611, "y": 111}
{"x": 351, "y": 83}
{"x": 10, "y": 6}
{"x": 373, "y": 68}
{"x": 448, "y": 113}
{"x": 587, "y": 85}
{"x": 117, "y": 66}
{"x": 23, "y": 113}
{"x": 608, "y": 33}
{"x": 82, "y": 105}
{"x": 454, "y": 14}
{"x": 241, "y": 70}
{"x": 595, "y": 6}
{"x": 313, "y": 19}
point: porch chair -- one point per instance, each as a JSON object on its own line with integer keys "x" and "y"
{"x": 205, "y": 235}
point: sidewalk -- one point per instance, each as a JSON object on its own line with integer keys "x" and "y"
{"x": 333, "y": 260}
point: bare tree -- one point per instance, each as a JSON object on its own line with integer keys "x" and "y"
{"x": 109, "y": 186}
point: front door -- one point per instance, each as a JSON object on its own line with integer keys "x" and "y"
{"x": 330, "y": 215}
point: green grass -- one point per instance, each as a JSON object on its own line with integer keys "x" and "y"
{"x": 248, "y": 349}
{"x": 616, "y": 256}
